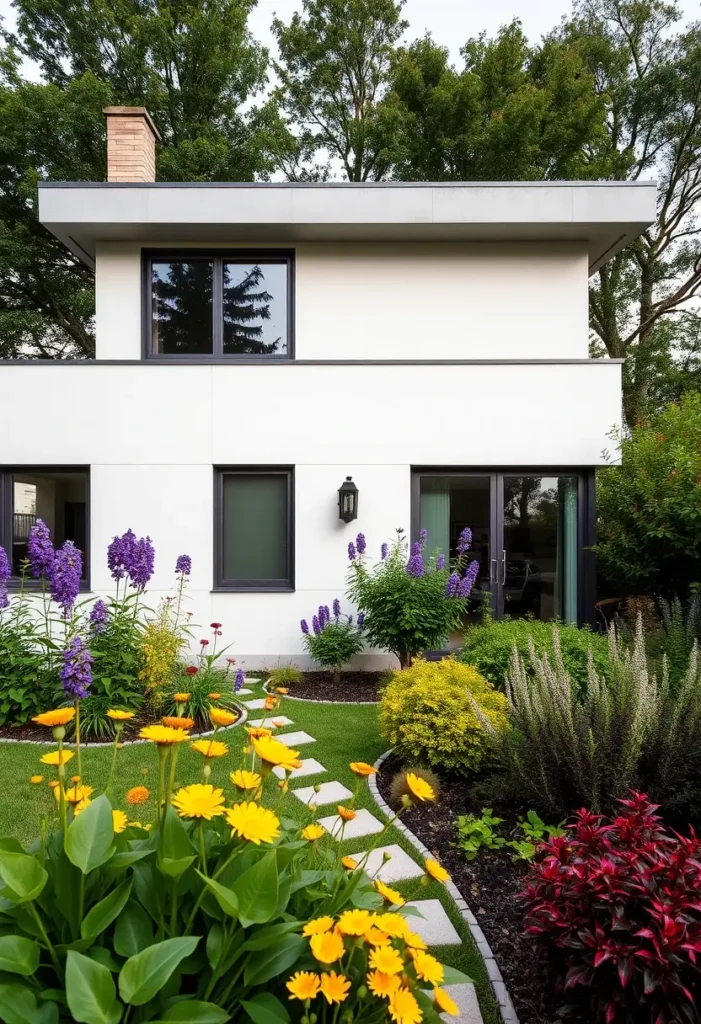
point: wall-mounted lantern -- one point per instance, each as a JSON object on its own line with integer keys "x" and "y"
{"x": 348, "y": 501}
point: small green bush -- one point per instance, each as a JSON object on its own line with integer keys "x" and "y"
{"x": 442, "y": 714}
{"x": 286, "y": 675}
{"x": 489, "y": 647}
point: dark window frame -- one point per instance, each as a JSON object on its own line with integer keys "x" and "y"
{"x": 7, "y": 472}
{"x": 276, "y": 586}
{"x": 218, "y": 257}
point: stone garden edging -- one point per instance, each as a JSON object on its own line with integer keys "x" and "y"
{"x": 501, "y": 994}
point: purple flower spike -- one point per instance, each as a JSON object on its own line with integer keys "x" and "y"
{"x": 423, "y": 538}
{"x": 315, "y": 625}
{"x": 361, "y": 619}
{"x": 240, "y": 679}
{"x": 183, "y": 565}
{"x": 98, "y": 616}
{"x": 384, "y": 551}
{"x": 40, "y": 550}
{"x": 464, "y": 541}
{"x": 452, "y": 585}
{"x": 440, "y": 562}
{"x": 65, "y": 576}
{"x": 304, "y": 626}
{"x": 75, "y": 673}
{"x": 351, "y": 551}
{"x": 360, "y": 543}
{"x": 415, "y": 565}
{"x": 141, "y": 569}
{"x": 120, "y": 555}
{"x": 5, "y": 573}
{"x": 336, "y": 607}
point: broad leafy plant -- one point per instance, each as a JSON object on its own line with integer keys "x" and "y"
{"x": 476, "y": 834}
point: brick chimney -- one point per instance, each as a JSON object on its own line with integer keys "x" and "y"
{"x": 131, "y": 144}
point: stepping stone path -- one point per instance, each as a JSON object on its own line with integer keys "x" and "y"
{"x": 254, "y": 705}
{"x": 295, "y": 739}
{"x": 242, "y": 692}
{"x": 329, "y": 793}
{"x": 466, "y": 999}
{"x": 434, "y": 926}
{"x": 309, "y": 767}
{"x": 363, "y": 824}
{"x": 268, "y": 723}
{"x": 399, "y": 867}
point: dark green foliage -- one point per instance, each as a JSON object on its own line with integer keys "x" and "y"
{"x": 94, "y": 723}
{"x": 27, "y": 681}
{"x": 335, "y": 645}
{"x": 489, "y": 647}
{"x": 118, "y": 659}
{"x": 206, "y": 680}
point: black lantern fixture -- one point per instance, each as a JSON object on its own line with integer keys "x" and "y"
{"x": 348, "y": 501}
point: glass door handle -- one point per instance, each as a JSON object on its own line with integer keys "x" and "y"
{"x": 493, "y": 570}
{"x": 503, "y": 570}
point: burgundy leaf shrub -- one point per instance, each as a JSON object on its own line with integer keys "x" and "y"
{"x": 617, "y": 903}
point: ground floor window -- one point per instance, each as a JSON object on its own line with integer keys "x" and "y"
{"x": 530, "y": 530}
{"x": 58, "y": 496}
{"x": 254, "y": 528}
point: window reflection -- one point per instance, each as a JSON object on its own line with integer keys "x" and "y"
{"x": 255, "y": 309}
{"x": 59, "y": 499}
{"x": 181, "y": 300}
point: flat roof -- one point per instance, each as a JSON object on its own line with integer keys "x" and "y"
{"x": 607, "y": 215}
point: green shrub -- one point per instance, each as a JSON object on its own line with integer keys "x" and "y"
{"x": 475, "y": 834}
{"x": 442, "y": 714}
{"x": 285, "y": 675}
{"x": 333, "y": 639}
{"x": 489, "y": 647}
{"x": 27, "y": 680}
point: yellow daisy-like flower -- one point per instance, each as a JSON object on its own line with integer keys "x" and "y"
{"x": 175, "y": 722}
{"x": 414, "y": 941}
{"x": 318, "y": 926}
{"x": 282, "y": 689}
{"x": 214, "y": 696}
{"x": 354, "y": 922}
{"x": 219, "y": 716}
{"x": 436, "y": 870}
{"x": 137, "y": 795}
{"x": 403, "y": 1008}
{"x": 427, "y": 967}
{"x": 419, "y": 787}
{"x": 346, "y": 813}
{"x": 334, "y": 987}
{"x": 443, "y": 1003}
{"x": 210, "y": 748}
{"x": 275, "y": 753}
{"x": 278, "y": 723}
{"x": 349, "y": 863}
{"x": 61, "y": 716}
{"x": 53, "y": 783}
{"x": 303, "y": 985}
{"x": 313, "y": 832}
{"x": 253, "y": 822}
{"x": 81, "y": 806}
{"x": 75, "y": 778}
{"x": 374, "y": 937}
{"x": 119, "y": 821}
{"x": 389, "y": 895}
{"x": 270, "y": 703}
{"x": 35, "y": 779}
{"x": 327, "y": 947}
{"x": 199, "y": 801}
{"x": 362, "y": 769}
{"x": 163, "y": 735}
{"x": 382, "y": 985}
{"x": 257, "y": 733}
{"x": 119, "y": 716}
{"x": 74, "y": 794}
{"x": 245, "y": 780}
{"x": 386, "y": 959}
{"x": 181, "y": 698}
{"x": 394, "y": 924}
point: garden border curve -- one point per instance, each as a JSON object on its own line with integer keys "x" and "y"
{"x": 337, "y": 703}
{"x": 501, "y": 993}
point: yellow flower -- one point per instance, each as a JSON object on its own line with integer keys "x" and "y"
{"x": 443, "y": 1003}
{"x": 282, "y": 689}
{"x": 81, "y": 806}
{"x": 354, "y": 922}
{"x": 386, "y": 959}
{"x": 134, "y": 824}
{"x": 303, "y": 985}
{"x": 346, "y": 813}
{"x": 137, "y": 795}
{"x": 174, "y": 722}
{"x": 275, "y": 753}
{"x": 210, "y": 748}
{"x": 414, "y": 941}
{"x": 390, "y": 895}
{"x": 181, "y": 698}
{"x": 334, "y": 987}
{"x": 393, "y": 924}
{"x": 270, "y": 703}
{"x": 327, "y": 947}
{"x": 74, "y": 794}
{"x": 214, "y": 696}
{"x": 278, "y": 723}
{"x": 374, "y": 937}
{"x": 253, "y": 822}
{"x": 199, "y": 801}
{"x": 258, "y": 733}
{"x": 403, "y": 1008}
{"x": 61, "y": 716}
{"x": 36, "y": 778}
{"x": 362, "y": 769}
{"x": 419, "y": 787}
{"x": 318, "y": 926}
{"x": 313, "y": 832}
{"x": 75, "y": 778}
{"x": 436, "y": 870}
{"x": 349, "y": 863}
{"x": 382, "y": 985}
{"x": 119, "y": 821}
{"x": 120, "y": 716}
{"x": 54, "y": 783}
{"x": 57, "y": 758}
{"x": 221, "y": 717}
{"x": 427, "y": 967}
{"x": 245, "y": 780}
{"x": 162, "y": 735}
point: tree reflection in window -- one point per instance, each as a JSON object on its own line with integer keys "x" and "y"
{"x": 182, "y": 307}
{"x": 255, "y": 309}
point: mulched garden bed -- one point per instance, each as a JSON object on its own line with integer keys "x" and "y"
{"x": 489, "y": 884}
{"x": 354, "y": 687}
{"x": 30, "y": 731}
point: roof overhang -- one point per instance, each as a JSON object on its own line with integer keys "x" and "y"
{"x": 607, "y": 215}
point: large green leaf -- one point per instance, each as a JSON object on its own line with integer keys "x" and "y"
{"x": 256, "y": 891}
{"x": 103, "y": 913}
{"x": 19, "y": 955}
{"x": 90, "y": 991}
{"x": 24, "y": 877}
{"x": 145, "y": 974}
{"x": 193, "y": 1011}
{"x": 224, "y": 897}
{"x": 175, "y": 850}
{"x": 18, "y": 1005}
{"x": 264, "y": 937}
{"x": 133, "y": 931}
{"x": 268, "y": 963}
{"x": 90, "y": 836}
{"x": 265, "y": 1008}
{"x": 452, "y": 976}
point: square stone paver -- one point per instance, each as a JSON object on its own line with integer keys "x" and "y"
{"x": 363, "y": 824}
{"x": 466, "y": 999}
{"x": 398, "y": 867}
{"x": 309, "y": 767}
{"x": 295, "y": 739}
{"x": 267, "y": 723}
{"x": 435, "y": 927}
{"x": 253, "y": 705}
{"x": 329, "y": 793}
{"x": 243, "y": 691}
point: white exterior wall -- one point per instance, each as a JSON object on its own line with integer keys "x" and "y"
{"x": 413, "y": 300}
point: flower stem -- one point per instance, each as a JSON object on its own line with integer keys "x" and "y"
{"x": 77, "y": 738}
{"x": 203, "y": 856}
{"x": 162, "y": 754}
{"x": 117, "y": 732}
{"x": 47, "y": 941}
{"x": 171, "y": 779}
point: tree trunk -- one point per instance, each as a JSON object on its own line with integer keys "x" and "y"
{"x": 337, "y": 675}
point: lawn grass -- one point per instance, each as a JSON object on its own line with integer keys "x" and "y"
{"x": 343, "y": 732}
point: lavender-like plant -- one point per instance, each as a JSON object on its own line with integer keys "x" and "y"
{"x": 40, "y": 550}
{"x": 65, "y": 576}
{"x": 98, "y": 616}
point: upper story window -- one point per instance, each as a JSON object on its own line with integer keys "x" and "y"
{"x": 223, "y": 304}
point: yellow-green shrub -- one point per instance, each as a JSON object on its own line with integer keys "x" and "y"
{"x": 444, "y": 714}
